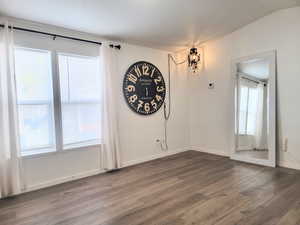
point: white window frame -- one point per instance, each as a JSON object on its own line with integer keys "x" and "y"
{"x": 57, "y": 113}
{"x": 80, "y": 144}
{"x": 42, "y": 149}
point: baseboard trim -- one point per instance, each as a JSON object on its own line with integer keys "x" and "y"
{"x": 289, "y": 165}
{"x": 62, "y": 180}
{"x": 210, "y": 151}
{"x": 152, "y": 157}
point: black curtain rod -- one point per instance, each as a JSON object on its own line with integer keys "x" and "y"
{"x": 60, "y": 36}
{"x": 246, "y": 78}
{"x": 257, "y": 82}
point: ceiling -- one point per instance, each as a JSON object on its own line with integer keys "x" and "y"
{"x": 164, "y": 24}
{"x": 258, "y": 68}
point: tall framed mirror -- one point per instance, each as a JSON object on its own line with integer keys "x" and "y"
{"x": 255, "y": 109}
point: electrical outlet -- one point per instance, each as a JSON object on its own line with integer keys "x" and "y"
{"x": 158, "y": 142}
{"x": 161, "y": 143}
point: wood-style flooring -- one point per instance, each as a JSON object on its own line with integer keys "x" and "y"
{"x": 256, "y": 154}
{"x": 189, "y": 188}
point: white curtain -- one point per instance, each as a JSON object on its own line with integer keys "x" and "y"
{"x": 110, "y": 149}
{"x": 252, "y": 111}
{"x": 259, "y": 136}
{"x": 10, "y": 165}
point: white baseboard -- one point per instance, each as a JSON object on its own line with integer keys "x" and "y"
{"x": 62, "y": 180}
{"x": 152, "y": 157}
{"x": 290, "y": 165}
{"x": 211, "y": 151}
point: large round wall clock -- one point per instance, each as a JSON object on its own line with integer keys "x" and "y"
{"x": 144, "y": 88}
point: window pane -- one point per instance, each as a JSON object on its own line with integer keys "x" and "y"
{"x": 79, "y": 79}
{"x": 34, "y": 98}
{"x": 81, "y": 122}
{"x": 34, "y": 79}
{"x": 35, "y": 126}
{"x": 80, "y": 99}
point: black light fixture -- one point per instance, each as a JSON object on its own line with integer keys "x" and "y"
{"x": 194, "y": 59}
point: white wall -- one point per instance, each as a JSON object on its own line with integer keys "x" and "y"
{"x": 211, "y": 111}
{"x": 138, "y": 133}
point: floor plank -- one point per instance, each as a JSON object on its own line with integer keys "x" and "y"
{"x": 189, "y": 188}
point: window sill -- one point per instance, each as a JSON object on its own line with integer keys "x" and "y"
{"x": 31, "y": 153}
{"x": 82, "y": 145}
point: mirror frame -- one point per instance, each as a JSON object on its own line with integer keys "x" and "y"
{"x": 271, "y": 161}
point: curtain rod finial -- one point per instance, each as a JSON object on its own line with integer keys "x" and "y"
{"x": 115, "y": 46}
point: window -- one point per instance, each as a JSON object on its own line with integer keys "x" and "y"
{"x": 80, "y": 99}
{"x": 248, "y": 108}
{"x": 34, "y": 99}
{"x": 77, "y": 111}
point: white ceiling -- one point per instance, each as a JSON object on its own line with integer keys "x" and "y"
{"x": 258, "y": 68}
{"x": 166, "y": 24}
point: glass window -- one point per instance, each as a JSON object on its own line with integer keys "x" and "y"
{"x": 80, "y": 89}
{"x": 34, "y": 99}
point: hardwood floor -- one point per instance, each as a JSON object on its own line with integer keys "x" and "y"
{"x": 256, "y": 154}
{"x": 189, "y": 188}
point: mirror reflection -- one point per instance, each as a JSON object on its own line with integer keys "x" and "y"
{"x": 252, "y": 109}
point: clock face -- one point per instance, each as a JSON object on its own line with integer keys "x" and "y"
{"x": 144, "y": 88}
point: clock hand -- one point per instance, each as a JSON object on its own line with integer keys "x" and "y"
{"x": 146, "y": 92}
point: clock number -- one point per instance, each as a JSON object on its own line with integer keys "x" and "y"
{"x": 160, "y": 89}
{"x": 147, "y": 92}
{"x": 145, "y": 69}
{"x": 132, "y": 98}
{"x": 153, "y": 103}
{"x": 158, "y": 98}
{"x": 147, "y": 107}
{"x": 137, "y": 71}
{"x": 152, "y": 72}
{"x": 157, "y": 80}
{"x": 130, "y": 88}
{"x": 132, "y": 78}
{"x": 140, "y": 105}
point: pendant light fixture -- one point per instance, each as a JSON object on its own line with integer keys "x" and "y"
{"x": 194, "y": 59}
